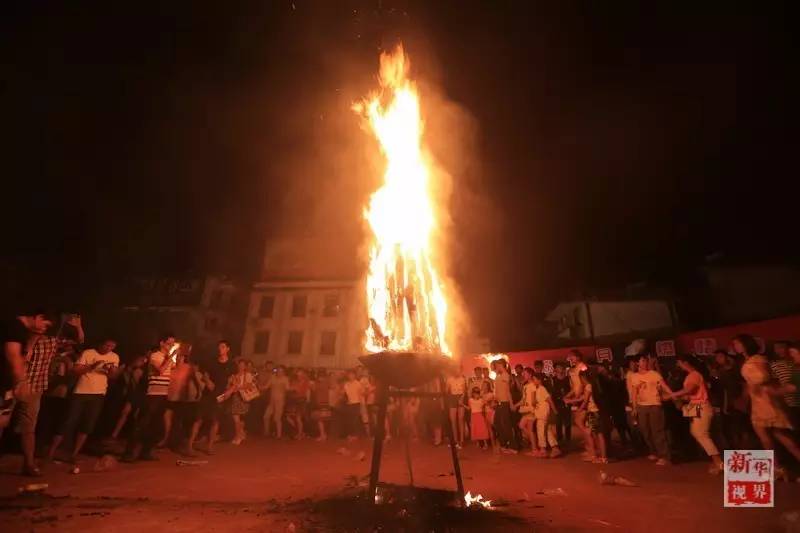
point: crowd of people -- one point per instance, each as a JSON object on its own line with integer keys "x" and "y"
{"x": 60, "y": 396}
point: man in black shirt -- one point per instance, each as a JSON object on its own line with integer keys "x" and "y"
{"x": 560, "y": 388}
{"x": 218, "y": 373}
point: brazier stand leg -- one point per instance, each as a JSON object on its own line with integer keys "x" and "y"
{"x": 377, "y": 446}
{"x": 448, "y": 427}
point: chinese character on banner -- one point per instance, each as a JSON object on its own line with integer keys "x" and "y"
{"x": 665, "y": 348}
{"x": 603, "y": 354}
{"x": 749, "y": 478}
{"x": 548, "y": 367}
{"x": 705, "y": 346}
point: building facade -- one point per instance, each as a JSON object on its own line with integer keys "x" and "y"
{"x": 305, "y": 323}
{"x": 200, "y": 310}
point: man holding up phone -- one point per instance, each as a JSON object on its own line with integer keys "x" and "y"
{"x": 17, "y": 337}
{"x": 39, "y": 354}
{"x": 94, "y": 368}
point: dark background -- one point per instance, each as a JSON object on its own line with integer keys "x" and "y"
{"x": 597, "y": 143}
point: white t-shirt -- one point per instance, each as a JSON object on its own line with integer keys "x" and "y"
{"x": 528, "y": 398}
{"x": 647, "y": 387}
{"x": 354, "y": 391}
{"x": 95, "y": 381}
{"x": 476, "y": 405}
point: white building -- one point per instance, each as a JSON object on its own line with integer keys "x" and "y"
{"x": 305, "y": 323}
{"x": 307, "y": 310}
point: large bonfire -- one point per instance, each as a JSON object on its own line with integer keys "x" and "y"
{"x": 405, "y": 300}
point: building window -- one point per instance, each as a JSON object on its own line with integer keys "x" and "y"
{"x": 266, "y": 306}
{"x": 328, "y": 344}
{"x": 216, "y": 299}
{"x": 261, "y": 343}
{"x": 331, "y": 305}
{"x": 299, "y": 302}
{"x": 295, "y": 343}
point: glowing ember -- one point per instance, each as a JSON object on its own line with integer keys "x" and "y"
{"x": 490, "y": 358}
{"x": 476, "y": 500}
{"x": 405, "y": 301}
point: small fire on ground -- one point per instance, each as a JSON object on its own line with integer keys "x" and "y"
{"x": 477, "y": 501}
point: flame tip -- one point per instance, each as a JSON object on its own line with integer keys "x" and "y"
{"x": 405, "y": 300}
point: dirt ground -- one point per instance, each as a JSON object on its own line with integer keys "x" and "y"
{"x": 266, "y": 485}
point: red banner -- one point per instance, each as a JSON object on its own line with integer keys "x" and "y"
{"x": 706, "y": 341}
{"x": 699, "y": 342}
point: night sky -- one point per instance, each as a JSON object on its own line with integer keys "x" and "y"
{"x": 590, "y": 145}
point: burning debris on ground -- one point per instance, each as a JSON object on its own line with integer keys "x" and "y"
{"x": 402, "y": 508}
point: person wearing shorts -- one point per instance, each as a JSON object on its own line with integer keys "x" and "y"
{"x": 149, "y": 423}
{"x": 575, "y": 397}
{"x": 593, "y": 422}
{"x": 34, "y": 356}
{"x": 94, "y": 367}
{"x": 456, "y": 390}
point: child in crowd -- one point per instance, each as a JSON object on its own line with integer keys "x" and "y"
{"x": 594, "y": 427}
{"x": 478, "y": 425}
{"x": 543, "y": 411}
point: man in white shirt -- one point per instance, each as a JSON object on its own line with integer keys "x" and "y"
{"x": 93, "y": 368}
{"x": 648, "y": 388}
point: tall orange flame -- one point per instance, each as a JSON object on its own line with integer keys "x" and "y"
{"x": 405, "y": 301}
